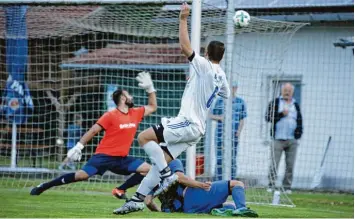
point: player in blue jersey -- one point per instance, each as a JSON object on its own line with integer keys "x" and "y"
{"x": 191, "y": 196}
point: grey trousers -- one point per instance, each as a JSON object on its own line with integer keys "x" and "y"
{"x": 290, "y": 148}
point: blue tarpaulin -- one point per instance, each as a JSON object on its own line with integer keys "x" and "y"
{"x": 18, "y": 104}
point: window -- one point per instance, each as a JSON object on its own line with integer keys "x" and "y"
{"x": 276, "y": 88}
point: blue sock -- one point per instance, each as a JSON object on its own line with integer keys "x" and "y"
{"x": 64, "y": 179}
{"x": 238, "y": 196}
{"x": 134, "y": 180}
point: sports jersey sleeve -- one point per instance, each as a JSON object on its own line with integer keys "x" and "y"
{"x": 224, "y": 91}
{"x": 105, "y": 121}
{"x": 176, "y": 166}
{"x": 198, "y": 64}
{"x": 139, "y": 113}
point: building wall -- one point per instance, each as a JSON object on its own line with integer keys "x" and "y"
{"x": 327, "y": 95}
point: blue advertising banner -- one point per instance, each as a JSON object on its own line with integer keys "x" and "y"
{"x": 18, "y": 104}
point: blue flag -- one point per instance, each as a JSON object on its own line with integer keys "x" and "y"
{"x": 17, "y": 102}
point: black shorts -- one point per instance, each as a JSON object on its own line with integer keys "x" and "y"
{"x": 159, "y": 129}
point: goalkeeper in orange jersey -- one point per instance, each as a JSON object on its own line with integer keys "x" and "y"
{"x": 120, "y": 126}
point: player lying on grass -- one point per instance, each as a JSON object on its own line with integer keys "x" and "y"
{"x": 192, "y": 197}
{"x": 206, "y": 80}
{"x": 120, "y": 126}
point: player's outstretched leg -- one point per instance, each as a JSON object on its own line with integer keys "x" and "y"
{"x": 238, "y": 195}
{"x": 62, "y": 180}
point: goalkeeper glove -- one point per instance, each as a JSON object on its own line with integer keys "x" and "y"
{"x": 75, "y": 153}
{"x": 145, "y": 82}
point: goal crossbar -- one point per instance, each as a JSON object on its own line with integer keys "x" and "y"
{"x": 91, "y": 2}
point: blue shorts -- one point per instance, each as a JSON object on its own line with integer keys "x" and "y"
{"x": 198, "y": 200}
{"x": 100, "y": 163}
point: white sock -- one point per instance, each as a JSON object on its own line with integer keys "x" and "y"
{"x": 156, "y": 155}
{"x": 150, "y": 181}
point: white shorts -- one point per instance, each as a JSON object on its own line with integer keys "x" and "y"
{"x": 179, "y": 134}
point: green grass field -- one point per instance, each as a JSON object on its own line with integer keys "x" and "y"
{"x": 16, "y": 202}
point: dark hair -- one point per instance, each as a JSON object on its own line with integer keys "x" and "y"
{"x": 116, "y": 96}
{"x": 215, "y": 51}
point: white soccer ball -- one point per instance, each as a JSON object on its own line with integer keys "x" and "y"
{"x": 241, "y": 18}
{"x": 59, "y": 141}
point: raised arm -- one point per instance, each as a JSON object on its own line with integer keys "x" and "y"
{"x": 145, "y": 82}
{"x": 184, "y": 40}
{"x": 152, "y": 104}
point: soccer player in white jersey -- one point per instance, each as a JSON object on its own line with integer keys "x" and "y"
{"x": 207, "y": 79}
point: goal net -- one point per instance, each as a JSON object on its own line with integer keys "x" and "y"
{"x": 68, "y": 59}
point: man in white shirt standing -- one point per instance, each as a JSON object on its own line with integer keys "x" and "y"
{"x": 284, "y": 114}
{"x": 206, "y": 81}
